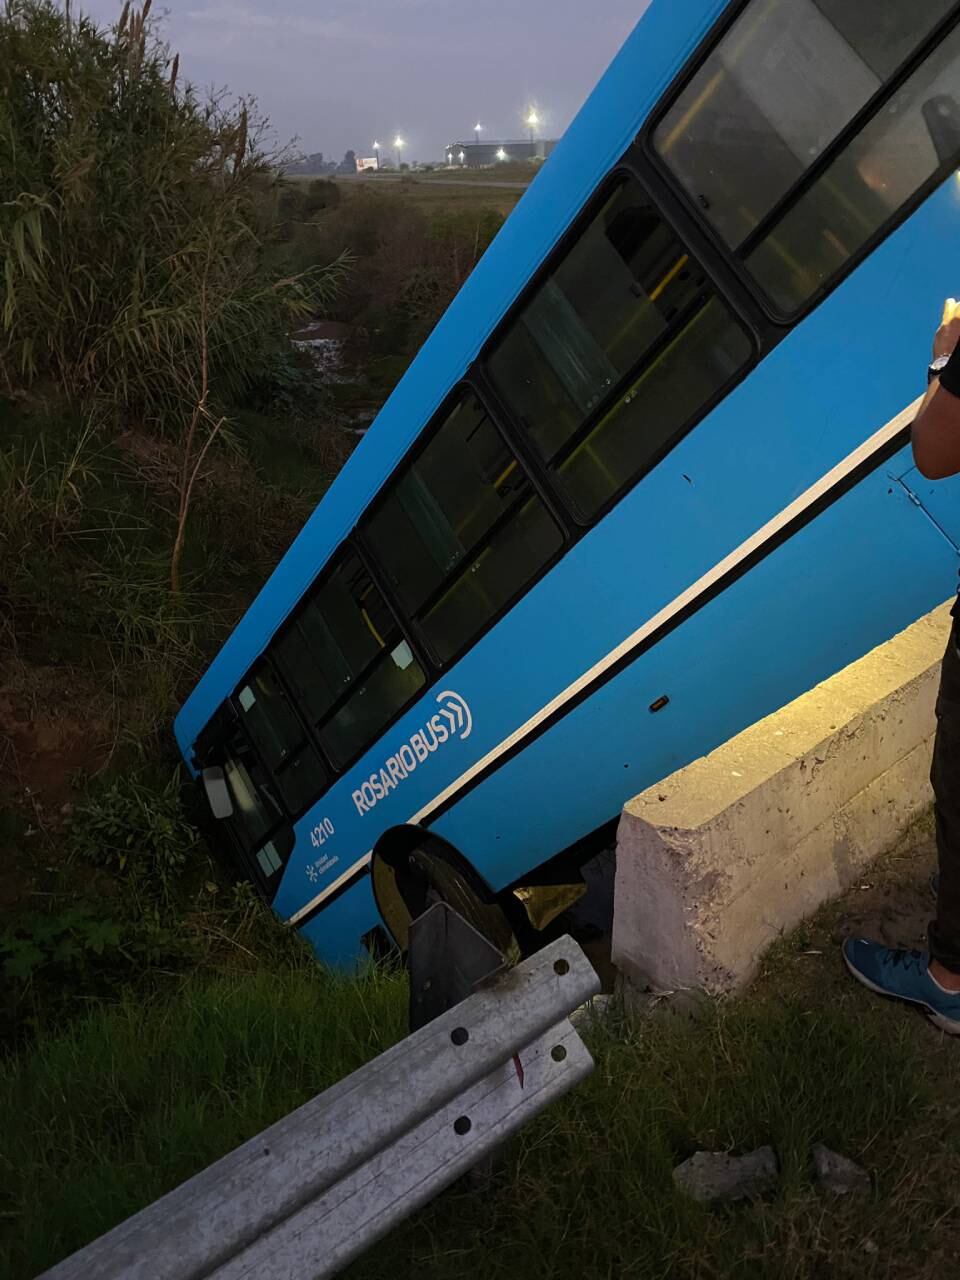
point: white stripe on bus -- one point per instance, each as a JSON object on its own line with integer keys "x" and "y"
{"x": 755, "y": 542}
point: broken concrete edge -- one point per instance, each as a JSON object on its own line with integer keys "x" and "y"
{"x": 721, "y": 859}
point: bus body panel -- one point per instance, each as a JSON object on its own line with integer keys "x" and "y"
{"x": 775, "y": 435}
{"x": 820, "y": 601}
{"x": 602, "y": 131}
{"x": 335, "y": 934}
{"x": 816, "y": 603}
{"x": 940, "y": 499}
{"x": 868, "y": 566}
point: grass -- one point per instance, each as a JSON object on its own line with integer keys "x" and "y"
{"x": 114, "y": 1113}
{"x": 516, "y": 172}
{"x": 86, "y": 533}
{"x": 440, "y": 195}
{"x": 587, "y": 1190}
{"x": 139, "y": 1095}
{"x": 105, "y": 1116}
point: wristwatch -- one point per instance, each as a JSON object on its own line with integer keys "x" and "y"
{"x": 936, "y": 368}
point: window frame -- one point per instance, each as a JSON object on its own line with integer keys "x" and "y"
{"x": 212, "y": 745}
{"x": 409, "y": 629}
{"x": 762, "y": 331}
{"x": 736, "y": 255}
{"x": 480, "y": 389}
{"x": 631, "y": 166}
{"x": 335, "y": 770}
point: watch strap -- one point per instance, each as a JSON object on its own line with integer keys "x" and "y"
{"x": 950, "y": 375}
{"x": 936, "y": 368}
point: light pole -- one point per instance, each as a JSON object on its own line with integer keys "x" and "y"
{"x": 463, "y": 156}
{"x": 376, "y": 152}
{"x": 399, "y": 143}
{"x": 477, "y": 130}
{"x": 533, "y": 121}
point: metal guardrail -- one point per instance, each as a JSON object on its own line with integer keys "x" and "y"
{"x": 309, "y": 1194}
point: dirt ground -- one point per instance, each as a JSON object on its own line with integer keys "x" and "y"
{"x": 891, "y": 902}
{"x": 48, "y": 743}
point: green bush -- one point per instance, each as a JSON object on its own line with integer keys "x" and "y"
{"x": 321, "y": 194}
{"x": 410, "y": 263}
{"x": 54, "y": 963}
{"x": 138, "y": 832}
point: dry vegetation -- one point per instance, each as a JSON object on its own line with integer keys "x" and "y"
{"x": 161, "y": 443}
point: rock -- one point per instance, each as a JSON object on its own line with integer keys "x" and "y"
{"x": 837, "y": 1174}
{"x": 710, "y": 1176}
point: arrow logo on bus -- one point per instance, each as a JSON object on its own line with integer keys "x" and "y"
{"x": 456, "y": 712}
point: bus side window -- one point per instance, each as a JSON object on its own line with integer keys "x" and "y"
{"x": 772, "y": 100}
{"x": 347, "y": 661}
{"x": 617, "y": 353}
{"x": 281, "y": 739}
{"x": 461, "y": 531}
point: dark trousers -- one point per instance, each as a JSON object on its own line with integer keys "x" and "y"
{"x": 944, "y": 932}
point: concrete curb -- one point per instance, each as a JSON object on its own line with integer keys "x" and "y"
{"x": 718, "y": 860}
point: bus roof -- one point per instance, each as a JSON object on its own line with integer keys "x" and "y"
{"x": 603, "y": 129}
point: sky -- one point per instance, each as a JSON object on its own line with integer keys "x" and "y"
{"x": 339, "y": 74}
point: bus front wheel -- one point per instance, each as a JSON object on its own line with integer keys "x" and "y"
{"x": 407, "y": 882}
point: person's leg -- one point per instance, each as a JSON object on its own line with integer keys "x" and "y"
{"x": 930, "y": 981}
{"x": 944, "y": 932}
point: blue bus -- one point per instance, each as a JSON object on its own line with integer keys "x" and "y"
{"x": 647, "y": 481}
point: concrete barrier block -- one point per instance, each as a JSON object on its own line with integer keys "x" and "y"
{"x": 718, "y": 860}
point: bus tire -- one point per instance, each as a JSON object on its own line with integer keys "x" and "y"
{"x": 408, "y": 881}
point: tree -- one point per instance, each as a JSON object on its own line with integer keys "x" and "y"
{"x": 349, "y": 163}
{"x": 309, "y": 166}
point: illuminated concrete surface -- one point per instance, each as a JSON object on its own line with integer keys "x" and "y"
{"x": 718, "y": 860}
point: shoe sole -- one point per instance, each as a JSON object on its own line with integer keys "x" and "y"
{"x": 947, "y": 1025}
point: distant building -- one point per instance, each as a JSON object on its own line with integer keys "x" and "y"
{"x": 480, "y": 155}
{"x": 366, "y": 164}
{"x": 310, "y": 166}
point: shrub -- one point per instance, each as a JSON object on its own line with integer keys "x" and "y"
{"x": 137, "y": 831}
{"x": 131, "y": 220}
{"x": 52, "y": 964}
{"x": 321, "y": 194}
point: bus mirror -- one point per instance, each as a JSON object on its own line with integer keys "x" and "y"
{"x": 218, "y": 793}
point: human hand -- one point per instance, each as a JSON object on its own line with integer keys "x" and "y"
{"x": 948, "y": 335}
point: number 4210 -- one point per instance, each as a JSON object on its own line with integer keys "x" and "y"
{"x": 321, "y": 833}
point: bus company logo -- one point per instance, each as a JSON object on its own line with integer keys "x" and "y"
{"x": 453, "y": 722}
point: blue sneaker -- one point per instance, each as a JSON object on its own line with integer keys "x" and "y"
{"x": 903, "y": 975}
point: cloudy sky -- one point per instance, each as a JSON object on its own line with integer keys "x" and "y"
{"x": 339, "y": 73}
